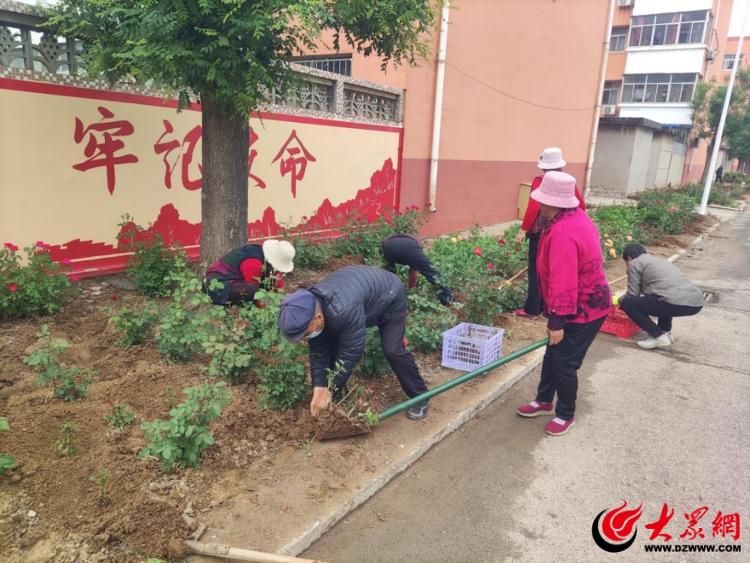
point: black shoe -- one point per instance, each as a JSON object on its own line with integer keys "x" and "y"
{"x": 418, "y": 411}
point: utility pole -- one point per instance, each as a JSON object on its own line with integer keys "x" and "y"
{"x": 722, "y": 121}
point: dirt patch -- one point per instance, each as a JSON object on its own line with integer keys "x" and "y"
{"x": 334, "y": 423}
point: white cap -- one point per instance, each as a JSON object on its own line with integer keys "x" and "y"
{"x": 551, "y": 159}
{"x": 280, "y": 254}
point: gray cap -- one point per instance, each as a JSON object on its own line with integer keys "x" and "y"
{"x": 296, "y": 313}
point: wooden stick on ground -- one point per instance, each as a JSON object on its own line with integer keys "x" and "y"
{"x": 613, "y": 282}
{"x": 238, "y": 554}
{"x": 514, "y": 277}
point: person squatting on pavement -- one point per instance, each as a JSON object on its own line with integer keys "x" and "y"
{"x": 656, "y": 287}
{"x": 575, "y": 297}
{"x": 334, "y": 315}
{"x": 245, "y": 270}
{"x": 531, "y": 229}
{"x": 406, "y": 250}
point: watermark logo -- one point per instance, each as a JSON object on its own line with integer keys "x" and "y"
{"x": 614, "y": 530}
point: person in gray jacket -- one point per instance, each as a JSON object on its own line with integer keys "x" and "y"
{"x": 334, "y": 315}
{"x": 656, "y": 287}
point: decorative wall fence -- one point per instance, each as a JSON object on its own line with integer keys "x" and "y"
{"x": 77, "y": 156}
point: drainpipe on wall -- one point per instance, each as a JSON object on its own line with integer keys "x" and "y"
{"x": 600, "y": 92}
{"x": 438, "y": 116}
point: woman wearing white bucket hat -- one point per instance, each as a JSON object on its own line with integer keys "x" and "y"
{"x": 575, "y": 296}
{"x": 244, "y": 270}
{"x": 531, "y": 227}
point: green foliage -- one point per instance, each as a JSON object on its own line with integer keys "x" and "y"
{"x": 618, "y": 226}
{"x": 234, "y": 51}
{"x": 188, "y": 321}
{"x": 719, "y": 194}
{"x": 66, "y": 445}
{"x": 281, "y": 369}
{"x": 155, "y": 268}
{"x": 475, "y": 267}
{"x": 70, "y": 383}
{"x": 310, "y": 254}
{"x": 362, "y": 238}
{"x": 666, "y": 211}
{"x": 121, "y": 417}
{"x": 100, "y": 479}
{"x": 179, "y": 441}
{"x": 427, "y": 321}
{"x": 37, "y": 288}
{"x": 134, "y": 325}
{"x": 7, "y": 461}
{"x": 373, "y": 362}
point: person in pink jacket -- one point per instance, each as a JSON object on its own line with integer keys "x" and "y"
{"x": 575, "y": 297}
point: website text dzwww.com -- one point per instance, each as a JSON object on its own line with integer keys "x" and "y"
{"x": 692, "y": 548}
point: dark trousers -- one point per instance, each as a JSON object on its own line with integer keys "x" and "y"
{"x": 400, "y": 359}
{"x": 641, "y": 309}
{"x": 561, "y": 364}
{"x": 533, "y": 305}
{"x": 408, "y": 252}
{"x": 232, "y": 293}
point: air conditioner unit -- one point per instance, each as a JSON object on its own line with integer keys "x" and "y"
{"x": 710, "y": 55}
{"x": 624, "y": 3}
{"x": 609, "y": 110}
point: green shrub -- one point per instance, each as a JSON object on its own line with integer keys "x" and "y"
{"x": 312, "y": 254}
{"x": 67, "y": 444}
{"x": 666, "y": 211}
{"x": 231, "y": 348}
{"x": 179, "y": 441}
{"x": 154, "y": 266}
{"x": 427, "y": 321}
{"x": 121, "y": 417}
{"x": 37, "y": 288}
{"x": 70, "y": 383}
{"x": 362, "y": 238}
{"x": 618, "y": 227}
{"x": 719, "y": 194}
{"x": 134, "y": 325}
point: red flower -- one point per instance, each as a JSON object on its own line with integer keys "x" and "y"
{"x": 10, "y": 246}
{"x": 478, "y": 251}
{"x": 113, "y": 297}
{"x": 501, "y": 241}
{"x": 12, "y": 287}
{"x": 42, "y": 245}
{"x": 490, "y": 266}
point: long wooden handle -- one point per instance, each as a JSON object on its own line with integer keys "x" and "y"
{"x": 238, "y": 554}
{"x": 514, "y": 277}
{"x": 613, "y": 282}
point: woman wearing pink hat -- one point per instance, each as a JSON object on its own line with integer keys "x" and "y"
{"x": 531, "y": 227}
{"x": 575, "y": 297}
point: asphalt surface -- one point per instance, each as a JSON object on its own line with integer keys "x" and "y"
{"x": 652, "y": 427}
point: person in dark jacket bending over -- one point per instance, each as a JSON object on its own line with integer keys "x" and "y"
{"x": 656, "y": 287}
{"x": 405, "y": 249}
{"x": 246, "y": 269}
{"x": 334, "y": 315}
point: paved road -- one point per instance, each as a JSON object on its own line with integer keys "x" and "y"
{"x": 653, "y": 427}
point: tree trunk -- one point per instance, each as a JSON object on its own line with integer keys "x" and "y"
{"x": 224, "y": 194}
{"x": 708, "y": 161}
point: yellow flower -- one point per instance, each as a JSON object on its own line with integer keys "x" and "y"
{"x": 612, "y": 253}
{"x": 628, "y": 238}
{"x": 609, "y": 243}
{"x": 606, "y": 235}
{"x": 454, "y": 239}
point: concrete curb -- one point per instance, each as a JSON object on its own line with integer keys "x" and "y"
{"x": 304, "y": 540}
{"x": 705, "y": 235}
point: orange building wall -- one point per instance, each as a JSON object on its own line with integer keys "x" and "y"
{"x": 520, "y": 76}
{"x": 616, "y": 65}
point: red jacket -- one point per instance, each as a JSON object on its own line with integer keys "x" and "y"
{"x": 570, "y": 266}
{"x": 532, "y": 210}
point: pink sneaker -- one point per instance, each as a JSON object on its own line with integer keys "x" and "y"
{"x": 524, "y": 315}
{"x": 535, "y": 409}
{"x": 558, "y": 426}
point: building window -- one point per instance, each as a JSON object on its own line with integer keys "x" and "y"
{"x": 658, "y": 88}
{"x": 681, "y": 28}
{"x": 729, "y": 61}
{"x": 610, "y": 93}
{"x": 618, "y": 39}
{"x": 338, "y": 64}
